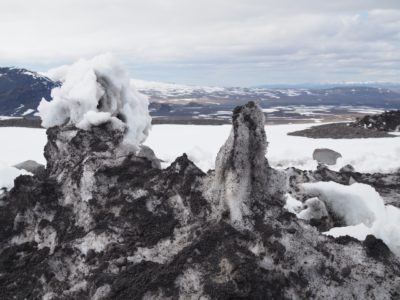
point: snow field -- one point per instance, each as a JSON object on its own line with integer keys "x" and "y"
{"x": 202, "y": 144}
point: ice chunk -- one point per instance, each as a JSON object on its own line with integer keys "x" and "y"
{"x": 357, "y": 203}
{"x": 96, "y": 91}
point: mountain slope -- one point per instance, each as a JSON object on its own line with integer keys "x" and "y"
{"x": 21, "y": 91}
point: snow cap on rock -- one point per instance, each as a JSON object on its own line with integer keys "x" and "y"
{"x": 94, "y": 92}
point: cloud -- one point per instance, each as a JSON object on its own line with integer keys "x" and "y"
{"x": 227, "y": 41}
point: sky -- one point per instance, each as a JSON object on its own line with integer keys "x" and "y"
{"x": 210, "y": 42}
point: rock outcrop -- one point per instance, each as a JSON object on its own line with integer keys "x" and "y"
{"x": 244, "y": 182}
{"x": 104, "y": 223}
{"x": 387, "y": 121}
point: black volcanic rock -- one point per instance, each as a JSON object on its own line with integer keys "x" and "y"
{"x": 21, "y": 90}
{"x": 103, "y": 223}
{"x": 387, "y": 121}
{"x": 340, "y": 131}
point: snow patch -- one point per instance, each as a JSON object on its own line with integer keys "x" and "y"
{"x": 292, "y": 204}
{"x": 7, "y": 176}
{"x": 357, "y": 203}
{"x": 92, "y": 118}
{"x": 363, "y": 210}
{"x": 315, "y": 209}
{"x": 28, "y": 112}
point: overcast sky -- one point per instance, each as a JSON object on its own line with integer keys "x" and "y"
{"x": 214, "y": 42}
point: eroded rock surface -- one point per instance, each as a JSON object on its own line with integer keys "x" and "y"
{"x": 104, "y": 223}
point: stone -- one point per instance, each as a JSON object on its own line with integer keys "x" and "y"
{"x": 326, "y": 156}
{"x": 31, "y": 166}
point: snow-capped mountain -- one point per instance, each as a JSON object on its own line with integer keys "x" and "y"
{"x": 21, "y": 90}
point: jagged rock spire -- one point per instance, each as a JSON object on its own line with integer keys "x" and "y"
{"x": 243, "y": 179}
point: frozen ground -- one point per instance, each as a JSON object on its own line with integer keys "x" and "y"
{"x": 202, "y": 143}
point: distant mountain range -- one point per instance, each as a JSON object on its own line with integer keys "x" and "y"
{"x": 21, "y": 91}
{"x": 326, "y": 85}
{"x": 358, "y": 95}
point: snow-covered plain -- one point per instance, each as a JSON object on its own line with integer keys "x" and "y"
{"x": 202, "y": 143}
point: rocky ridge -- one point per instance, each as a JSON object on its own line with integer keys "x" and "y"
{"x": 387, "y": 121}
{"x": 341, "y": 131}
{"x": 104, "y": 223}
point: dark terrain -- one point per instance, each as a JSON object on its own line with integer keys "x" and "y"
{"x": 340, "y": 131}
{"x": 369, "y": 126}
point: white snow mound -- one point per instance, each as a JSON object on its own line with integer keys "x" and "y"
{"x": 96, "y": 91}
{"x": 363, "y": 210}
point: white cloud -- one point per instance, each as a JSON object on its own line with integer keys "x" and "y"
{"x": 225, "y": 41}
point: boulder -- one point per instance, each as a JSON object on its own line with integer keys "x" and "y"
{"x": 31, "y": 166}
{"x": 326, "y": 156}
